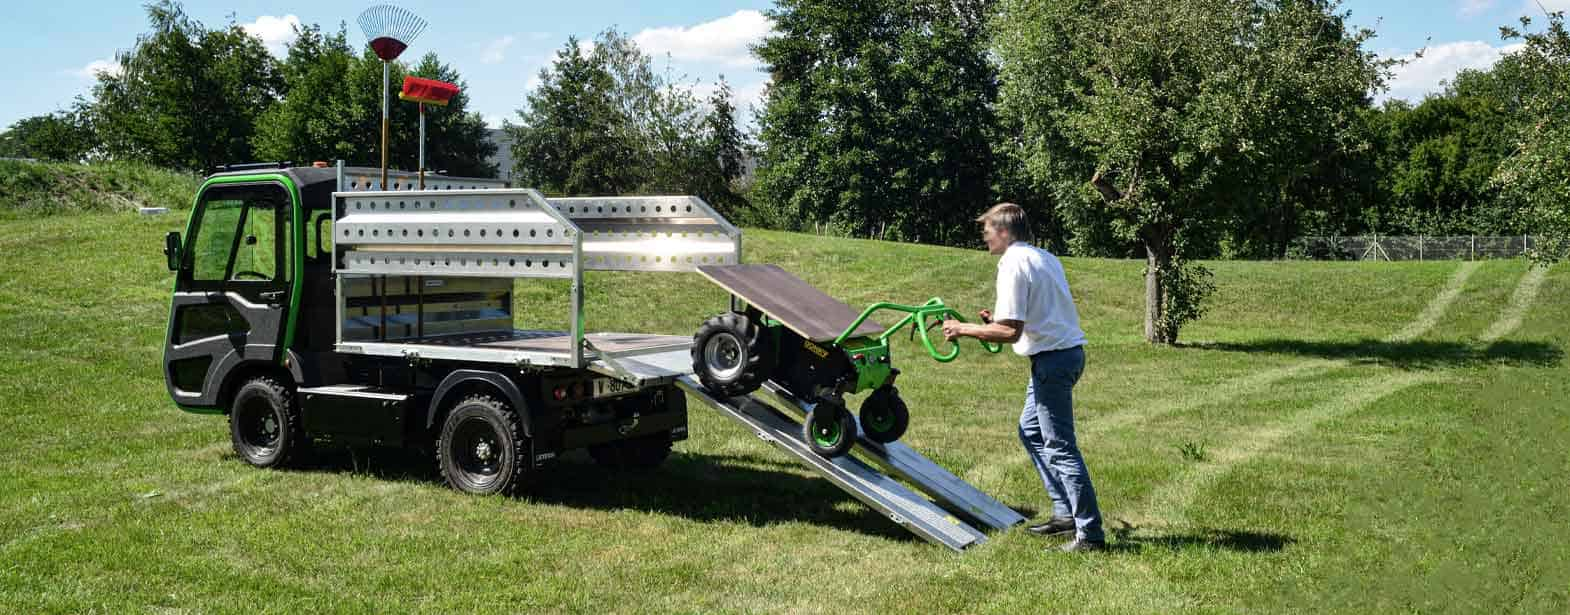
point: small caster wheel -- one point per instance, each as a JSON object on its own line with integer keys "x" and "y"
{"x": 829, "y": 429}
{"x": 884, "y": 415}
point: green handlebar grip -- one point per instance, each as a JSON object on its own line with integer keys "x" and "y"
{"x": 916, "y": 316}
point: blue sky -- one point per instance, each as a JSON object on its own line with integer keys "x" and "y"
{"x": 499, "y": 47}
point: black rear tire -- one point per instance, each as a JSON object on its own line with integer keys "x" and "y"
{"x": 482, "y": 449}
{"x": 264, "y": 424}
{"x": 643, "y": 453}
{"x": 829, "y": 430}
{"x": 884, "y": 416}
{"x": 732, "y": 355}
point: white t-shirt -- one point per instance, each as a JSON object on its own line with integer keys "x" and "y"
{"x": 1033, "y": 290}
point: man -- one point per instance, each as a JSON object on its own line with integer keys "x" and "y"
{"x": 1035, "y": 313}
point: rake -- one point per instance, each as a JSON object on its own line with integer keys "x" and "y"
{"x": 390, "y": 30}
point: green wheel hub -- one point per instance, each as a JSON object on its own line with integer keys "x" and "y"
{"x": 826, "y": 431}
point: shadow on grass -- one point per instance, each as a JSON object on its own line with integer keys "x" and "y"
{"x": 1134, "y": 538}
{"x": 753, "y": 490}
{"x": 1420, "y": 354}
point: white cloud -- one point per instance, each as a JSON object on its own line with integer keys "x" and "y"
{"x": 724, "y": 41}
{"x": 1471, "y": 8}
{"x": 276, "y": 32}
{"x": 496, "y": 51}
{"x": 1423, "y": 76}
{"x": 98, "y": 66}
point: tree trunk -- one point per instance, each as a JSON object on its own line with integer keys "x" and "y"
{"x": 1158, "y": 257}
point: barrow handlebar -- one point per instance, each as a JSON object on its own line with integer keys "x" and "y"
{"x": 917, "y": 317}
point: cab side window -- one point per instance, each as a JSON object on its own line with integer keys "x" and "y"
{"x": 214, "y": 239}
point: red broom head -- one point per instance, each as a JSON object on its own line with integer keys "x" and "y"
{"x": 428, "y": 91}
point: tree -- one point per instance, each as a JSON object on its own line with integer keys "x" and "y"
{"x": 722, "y": 154}
{"x": 878, "y": 117}
{"x": 1156, "y": 122}
{"x": 604, "y": 122}
{"x": 65, "y": 136}
{"x": 1438, "y": 159}
{"x": 313, "y": 121}
{"x": 570, "y": 138}
{"x": 188, "y": 97}
{"x": 1537, "y": 174}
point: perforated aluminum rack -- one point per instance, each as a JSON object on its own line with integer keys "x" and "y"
{"x": 518, "y": 233}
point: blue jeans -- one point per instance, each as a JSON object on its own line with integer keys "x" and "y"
{"x": 1046, "y": 428}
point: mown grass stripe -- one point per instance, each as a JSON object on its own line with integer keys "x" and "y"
{"x": 1438, "y": 306}
{"x": 1520, "y": 301}
{"x": 1255, "y": 383}
{"x": 1172, "y": 502}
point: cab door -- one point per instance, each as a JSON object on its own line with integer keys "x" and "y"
{"x": 232, "y": 288}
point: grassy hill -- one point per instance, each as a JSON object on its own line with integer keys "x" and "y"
{"x": 1358, "y": 437}
{"x": 31, "y": 189}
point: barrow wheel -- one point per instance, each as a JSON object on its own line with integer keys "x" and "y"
{"x": 829, "y": 429}
{"x": 264, "y": 424}
{"x": 884, "y": 416}
{"x": 482, "y": 449}
{"x": 731, "y": 355}
{"x": 643, "y": 453}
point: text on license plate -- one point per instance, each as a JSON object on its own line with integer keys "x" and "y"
{"x": 607, "y": 387}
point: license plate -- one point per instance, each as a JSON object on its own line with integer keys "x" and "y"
{"x": 609, "y": 387}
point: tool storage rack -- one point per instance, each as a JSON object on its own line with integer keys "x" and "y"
{"x": 501, "y": 234}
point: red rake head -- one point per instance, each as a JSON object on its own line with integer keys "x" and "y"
{"x": 390, "y": 30}
{"x": 428, "y": 91}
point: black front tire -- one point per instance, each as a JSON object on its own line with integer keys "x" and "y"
{"x": 829, "y": 430}
{"x": 643, "y": 453}
{"x": 731, "y": 355}
{"x": 264, "y": 424}
{"x": 884, "y": 416}
{"x": 482, "y": 449}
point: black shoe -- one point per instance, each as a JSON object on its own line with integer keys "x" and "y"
{"x": 1080, "y": 545}
{"x": 1055, "y": 526}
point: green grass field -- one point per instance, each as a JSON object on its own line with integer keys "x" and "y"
{"x": 1367, "y": 437}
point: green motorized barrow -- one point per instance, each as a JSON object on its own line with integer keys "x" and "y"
{"x": 782, "y": 329}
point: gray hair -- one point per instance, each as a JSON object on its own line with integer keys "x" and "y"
{"x": 1008, "y": 217}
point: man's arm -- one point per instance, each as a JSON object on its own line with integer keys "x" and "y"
{"x": 999, "y": 332}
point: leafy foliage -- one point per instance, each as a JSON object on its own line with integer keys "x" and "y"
{"x": 65, "y": 136}
{"x": 603, "y": 122}
{"x": 314, "y": 121}
{"x": 570, "y": 138}
{"x": 188, "y": 97}
{"x": 1537, "y": 174}
{"x": 1439, "y": 156}
{"x": 878, "y": 118}
{"x": 1193, "y": 113}
{"x": 193, "y": 98}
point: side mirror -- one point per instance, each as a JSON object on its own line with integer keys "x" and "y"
{"x": 172, "y": 250}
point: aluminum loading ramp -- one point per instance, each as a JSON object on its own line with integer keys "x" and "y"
{"x": 872, "y": 487}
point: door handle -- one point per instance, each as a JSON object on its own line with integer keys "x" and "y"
{"x": 272, "y": 297}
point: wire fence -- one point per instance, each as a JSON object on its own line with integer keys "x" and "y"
{"x": 1414, "y": 248}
